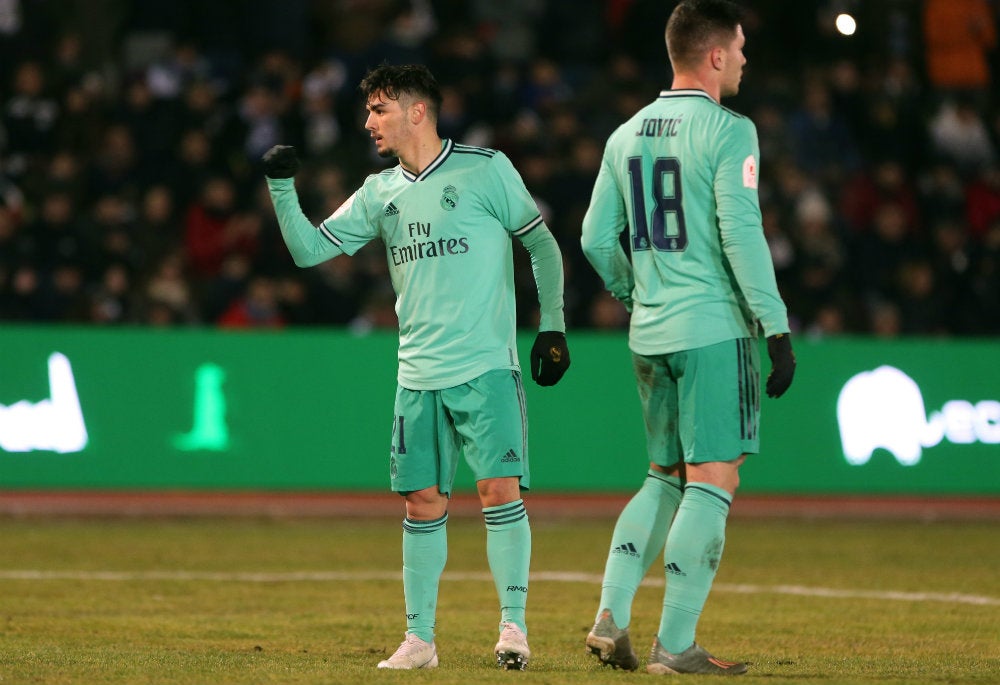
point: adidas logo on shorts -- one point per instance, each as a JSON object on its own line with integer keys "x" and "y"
{"x": 511, "y": 456}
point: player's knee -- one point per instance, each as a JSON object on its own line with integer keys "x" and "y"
{"x": 676, "y": 470}
{"x": 426, "y": 505}
{"x": 496, "y": 491}
{"x": 721, "y": 474}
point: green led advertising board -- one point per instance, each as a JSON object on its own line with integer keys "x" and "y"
{"x": 311, "y": 410}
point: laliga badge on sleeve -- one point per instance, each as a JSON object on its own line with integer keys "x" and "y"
{"x": 750, "y": 172}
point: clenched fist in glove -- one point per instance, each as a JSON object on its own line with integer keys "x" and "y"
{"x": 280, "y": 162}
{"x": 779, "y": 349}
{"x": 549, "y": 357}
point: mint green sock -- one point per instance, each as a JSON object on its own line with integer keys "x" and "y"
{"x": 636, "y": 542}
{"x": 508, "y": 549}
{"x": 425, "y": 550}
{"x": 691, "y": 557}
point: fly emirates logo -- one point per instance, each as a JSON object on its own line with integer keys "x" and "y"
{"x": 422, "y": 246}
{"x": 53, "y": 424}
{"x": 884, "y": 409}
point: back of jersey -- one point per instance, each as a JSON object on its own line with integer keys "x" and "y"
{"x": 682, "y": 173}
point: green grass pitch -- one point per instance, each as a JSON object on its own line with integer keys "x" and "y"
{"x": 319, "y": 600}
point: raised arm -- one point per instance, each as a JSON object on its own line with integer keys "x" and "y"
{"x": 307, "y": 245}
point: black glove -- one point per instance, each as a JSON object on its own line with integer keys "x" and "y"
{"x": 280, "y": 162}
{"x": 549, "y": 357}
{"x": 779, "y": 349}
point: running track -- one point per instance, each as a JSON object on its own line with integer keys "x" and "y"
{"x": 332, "y": 504}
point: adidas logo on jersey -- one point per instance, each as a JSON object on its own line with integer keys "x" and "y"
{"x": 674, "y": 569}
{"x": 391, "y": 210}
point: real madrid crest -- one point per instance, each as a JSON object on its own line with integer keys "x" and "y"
{"x": 449, "y": 198}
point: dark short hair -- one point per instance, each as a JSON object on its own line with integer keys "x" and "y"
{"x": 695, "y": 25}
{"x": 393, "y": 81}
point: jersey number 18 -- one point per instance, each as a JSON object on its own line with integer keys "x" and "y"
{"x": 654, "y": 228}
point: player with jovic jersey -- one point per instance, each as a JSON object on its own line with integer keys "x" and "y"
{"x": 681, "y": 175}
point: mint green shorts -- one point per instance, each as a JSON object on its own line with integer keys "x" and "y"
{"x": 701, "y": 405}
{"x": 485, "y": 419}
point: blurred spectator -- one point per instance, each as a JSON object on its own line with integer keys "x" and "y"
{"x": 258, "y": 307}
{"x": 157, "y": 229}
{"x": 110, "y": 232}
{"x": 941, "y": 193}
{"x": 410, "y": 24}
{"x": 959, "y": 134}
{"x": 882, "y": 250}
{"x": 11, "y": 199}
{"x": 819, "y": 255}
{"x": 829, "y": 320}
{"x": 885, "y": 181}
{"x": 320, "y": 124}
{"x": 171, "y": 75}
{"x": 29, "y": 117}
{"x": 193, "y": 166}
{"x": 889, "y": 129}
{"x": 260, "y": 112}
{"x": 54, "y": 236}
{"x": 213, "y": 229}
{"x": 982, "y": 201}
{"x": 545, "y": 88}
{"x": 884, "y": 319}
{"x": 111, "y": 301}
{"x": 823, "y": 143}
{"x": 82, "y": 119}
{"x": 959, "y": 35}
{"x": 219, "y": 292}
{"x": 23, "y": 297}
{"x": 984, "y": 284}
{"x": 509, "y": 27}
{"x": 114, "y": 164}
{"x": 923, "y": 306}
{"x": 167, "y": 298}
{"x": 62, "y": 294}
{"x": 153, "y": 122}
{"x": 337, "y": 290}
{"x": 952, "y": 260}
{"x": 297, "y": 308}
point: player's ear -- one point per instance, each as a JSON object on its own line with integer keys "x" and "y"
{"x": 717, "y": 57}
{"x": 418, "y": 110}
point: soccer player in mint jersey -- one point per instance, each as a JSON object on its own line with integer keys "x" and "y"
{"x": 681, "y": 175}
{"x": 448, "y": 215}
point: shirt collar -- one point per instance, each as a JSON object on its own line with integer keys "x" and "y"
{"x": 446, "y": 147}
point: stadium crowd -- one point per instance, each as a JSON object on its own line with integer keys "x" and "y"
{"x": 132, "y": 131}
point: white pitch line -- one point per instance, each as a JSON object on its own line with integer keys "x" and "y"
{"x": 543, "y": 576}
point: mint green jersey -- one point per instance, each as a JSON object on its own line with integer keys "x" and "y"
{"x": 682, "y": 176}
{"x": 448, "y": 239}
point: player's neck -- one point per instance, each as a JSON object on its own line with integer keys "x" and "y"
{"x": 695, "y": 82}
{"x": 422, "y": 152}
